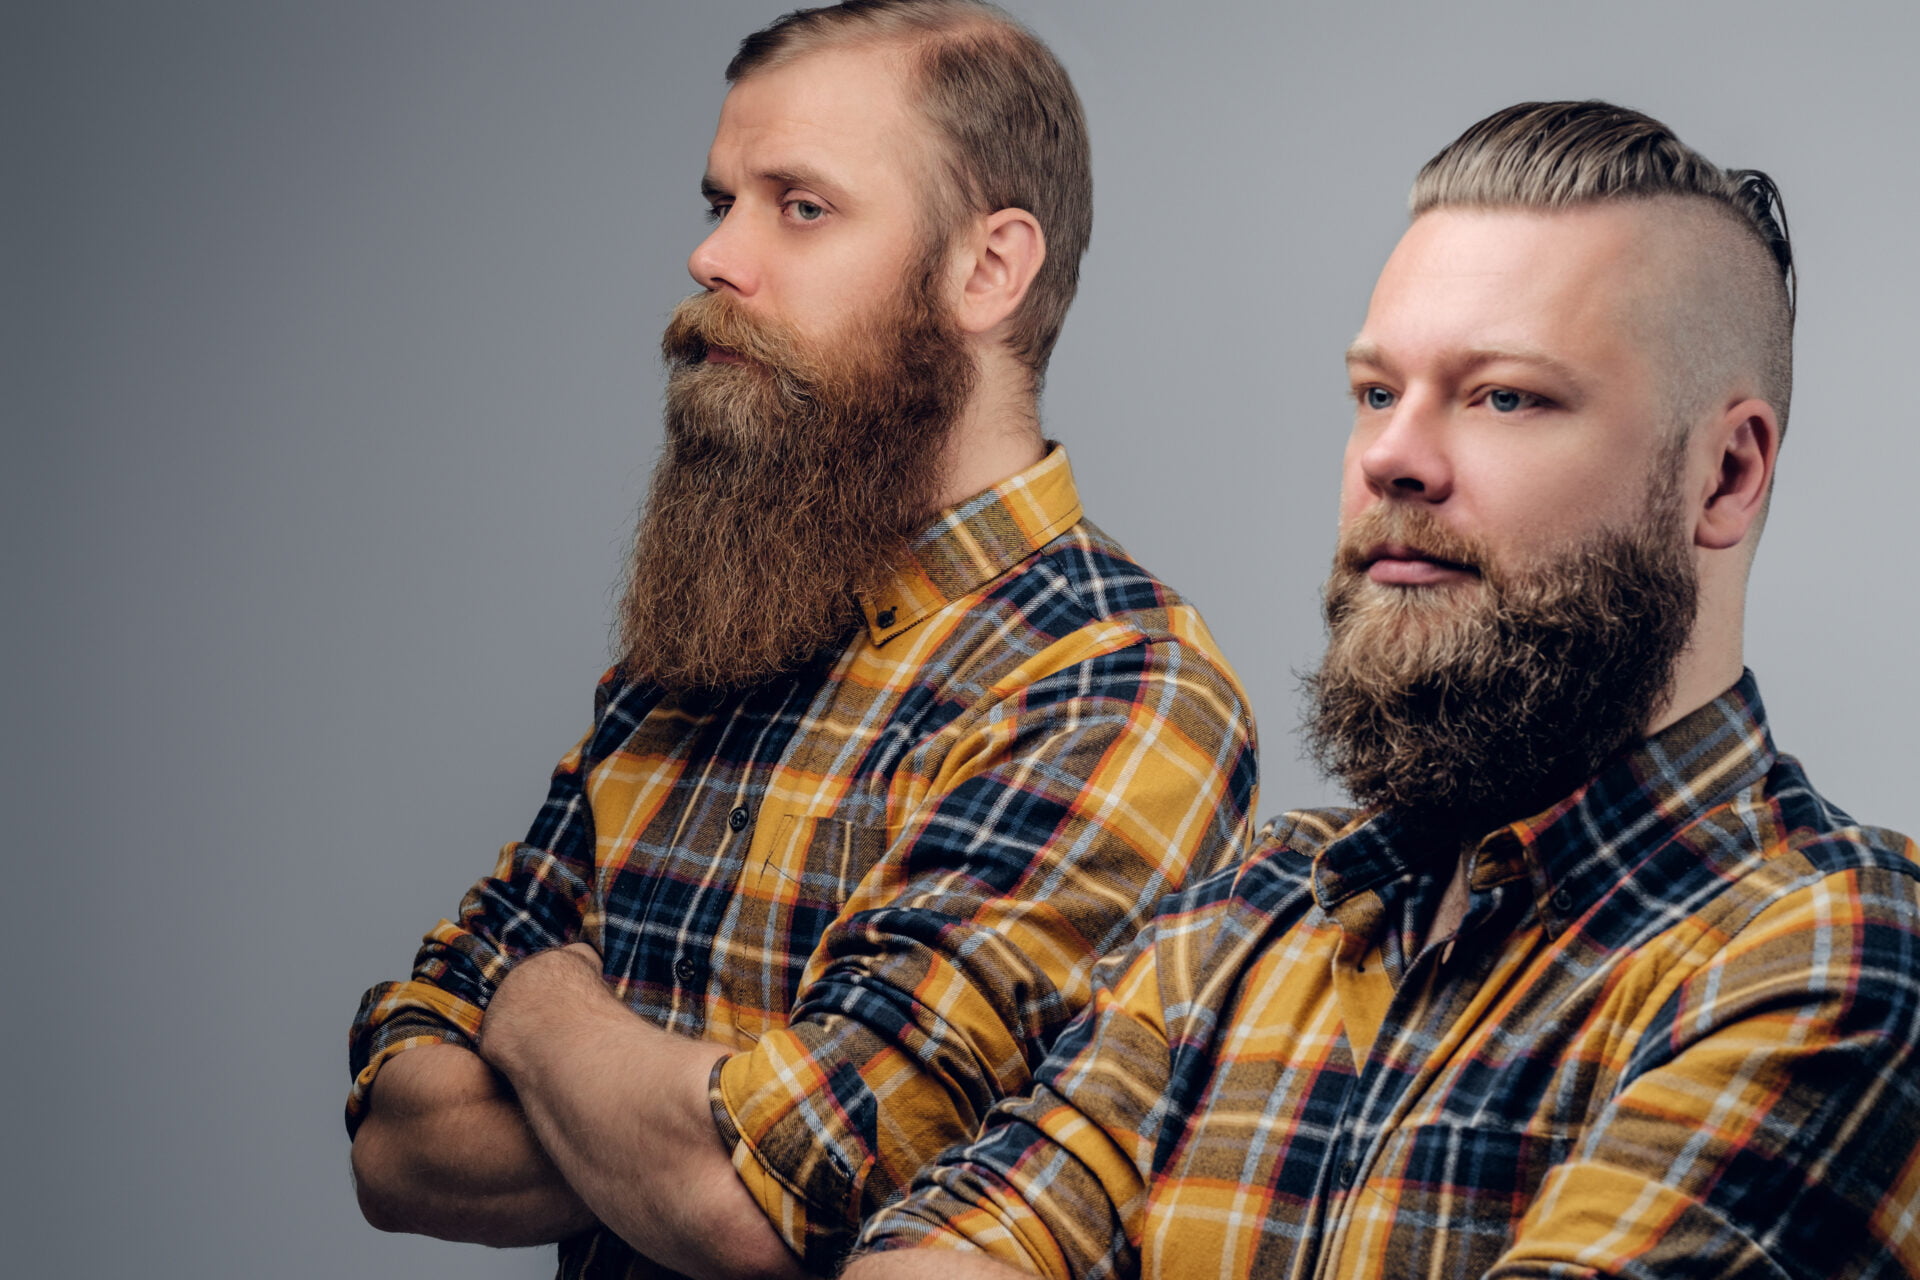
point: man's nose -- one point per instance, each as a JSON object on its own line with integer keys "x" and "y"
{"x": 1409, "y": 456}
{"x": 725, "y": 259}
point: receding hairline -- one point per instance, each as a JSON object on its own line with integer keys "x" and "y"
{"x": 923, "y": 154}
{"x": 1008, "y": 130}
{"x": 906, "y": 45}
{"x": 906, "y": 36}
{"x": 907, "y": 39}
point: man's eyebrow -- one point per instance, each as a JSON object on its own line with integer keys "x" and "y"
{"x": 1365, "y": 351}
{"x": 784, "y": 176}
{"x": 1360, "y": 351}
{"x": 1482, "y": 356}
{"x": 801, "y": 176}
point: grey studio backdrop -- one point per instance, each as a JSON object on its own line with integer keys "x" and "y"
{"x": 330, "y": 394}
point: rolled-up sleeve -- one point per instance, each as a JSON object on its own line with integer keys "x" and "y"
{"x": 1056, "y": 1182}
{"x": 1040, "y": 844}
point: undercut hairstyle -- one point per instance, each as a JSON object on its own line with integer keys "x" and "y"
{"x": 1006, "y": 118}
{"x": 1564, "y": 155}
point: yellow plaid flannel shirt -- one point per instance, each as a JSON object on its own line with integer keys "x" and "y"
{"x": 883, "y": 881}
{"x": 1678, "y": 1033}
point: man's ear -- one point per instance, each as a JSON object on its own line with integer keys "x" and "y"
{"x": 1745, "y": 442}
{"x": 1001, "y": 258}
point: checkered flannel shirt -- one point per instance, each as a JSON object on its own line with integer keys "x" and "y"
{"x": 1675, "y": 1035}
{"x": 883, "y": 881}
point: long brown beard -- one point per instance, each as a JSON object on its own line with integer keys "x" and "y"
{"x": 787, "y": 485}
{"x": 1471, "y": 706}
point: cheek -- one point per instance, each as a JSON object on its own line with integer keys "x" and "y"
{"x": 1538, "y": 481}
{"x": 839, "y": 289}
{"x": 1591, "y": 495}
{"x": 1557, "y": 510}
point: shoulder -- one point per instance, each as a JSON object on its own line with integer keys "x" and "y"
{"x": 1826, "y": 836}
{"x": 620, "y": 705}
{"x": 1083, "y": 579}
{"x": 1227, "y": 918}
{"x": 1080, "y": 608}
{"x": 1781, "y": 837}
{"x": 1793, "y": 902}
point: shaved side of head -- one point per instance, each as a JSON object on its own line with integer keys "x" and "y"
{"x": 1719, "y": 293}
{"x": 1714, "y": 310}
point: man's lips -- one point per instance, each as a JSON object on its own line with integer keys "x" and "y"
{"x": 720, "y": 355}
{"x": 1395, "y": 564}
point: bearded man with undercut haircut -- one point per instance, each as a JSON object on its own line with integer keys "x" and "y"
{"x": 896, "y": 743}
{"x": 1593, "y": 982}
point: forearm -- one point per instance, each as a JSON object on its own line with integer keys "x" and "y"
{"x": 445, "y": 1151}
{"x": 621, "y": 1106}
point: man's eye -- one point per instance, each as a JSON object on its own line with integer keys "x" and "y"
{"x": 807, "y": 211}
{"x": 1377, "y": 398}
{"x": 1502, "y": 400}
{"x": 715, "y": 212}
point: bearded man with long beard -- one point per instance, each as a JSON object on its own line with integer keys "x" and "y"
{"x": 896, "y": 743}
{"x": 1592, "y": 982}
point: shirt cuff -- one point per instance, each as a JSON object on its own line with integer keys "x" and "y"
{"x": 397, "y": 1016}
{"x": 820, "y": 1234}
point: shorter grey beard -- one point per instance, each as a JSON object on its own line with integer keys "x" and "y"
{"x": 1467, "y": 715}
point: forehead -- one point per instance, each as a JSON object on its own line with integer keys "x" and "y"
{"x": 1570, "y": 284}
{"x": 842, "y": 113}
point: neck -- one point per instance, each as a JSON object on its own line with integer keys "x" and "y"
{"x": 1714, "y": 657}
{"x": 998, "y": 434}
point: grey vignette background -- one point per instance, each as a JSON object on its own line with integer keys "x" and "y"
{"x": 331, "y": 395}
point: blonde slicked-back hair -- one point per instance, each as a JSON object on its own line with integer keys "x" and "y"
{"x": 1003, "y": 111}
{"x": 1563, "y": 155}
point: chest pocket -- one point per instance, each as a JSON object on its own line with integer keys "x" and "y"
{"x": 799, "y": 871}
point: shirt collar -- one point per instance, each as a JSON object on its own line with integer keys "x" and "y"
{"x": 971, "y": 544}
{"x": 1579, "y": 848}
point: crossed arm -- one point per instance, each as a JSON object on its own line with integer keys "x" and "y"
{"x": 1764, "y": 1124}
{"x": 446, "y": 1151}
{"x": 548, "y": 1128}
{"x": 955, "y": 954}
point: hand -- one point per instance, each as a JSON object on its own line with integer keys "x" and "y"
{"x": 620, "y": 1106}
{"x": 547, "y": 990}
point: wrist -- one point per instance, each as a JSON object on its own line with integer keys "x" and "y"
{"x": 539, "y": 1001}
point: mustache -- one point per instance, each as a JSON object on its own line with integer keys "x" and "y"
{"x": 1409, "y": 526}
{"x": 706, "y": 322}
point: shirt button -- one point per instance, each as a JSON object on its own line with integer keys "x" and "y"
{"x": 884, "y": 618}
{"x": 1349, "y": 1170}
{"x": 1562, "y": 901}
{"x": 687, "y": 969}
{"x": 738, "y": 818}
